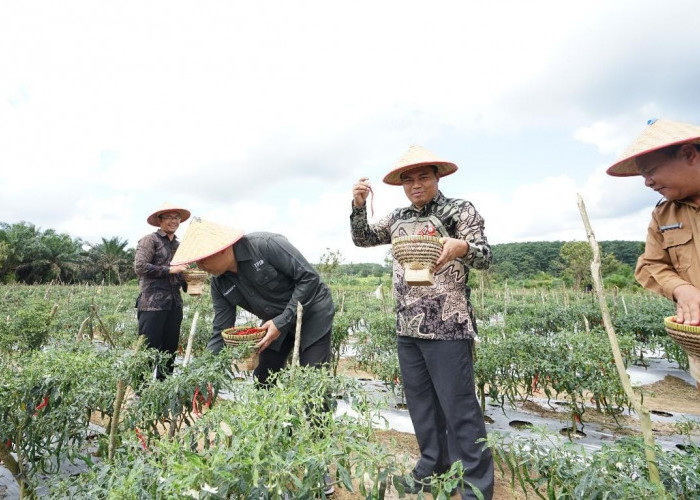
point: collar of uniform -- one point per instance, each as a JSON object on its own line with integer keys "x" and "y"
{"x": 242, "y": 249}
{"x": 162, "y": 234}
{"x": 438, "y": 199}
{"x": 690, "y": 203}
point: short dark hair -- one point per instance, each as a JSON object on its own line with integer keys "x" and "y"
{"x": 671, "y": 151}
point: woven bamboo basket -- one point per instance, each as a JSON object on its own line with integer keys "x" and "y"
{"x": 232, "y": 338}
{"x": 417, "y": 254}
{"x": 195, "y": 281}
{"x": 687, "y": 336}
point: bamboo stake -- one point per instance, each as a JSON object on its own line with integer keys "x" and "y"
{"x": 105, "y": 332}
{"x": 121, "y": 388}
{"x": 52, "y": 314}
{"x": 644, "y": 417}
{"x": 190, "y": 339}
{"x": 79, "y": 336}
{"x": 297, "y": 337}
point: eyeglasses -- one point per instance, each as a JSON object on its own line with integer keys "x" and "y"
{"x": 169, "y": 217}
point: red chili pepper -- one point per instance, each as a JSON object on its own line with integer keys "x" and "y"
{"x": 534, "y": 382}
{"x": 247, "y": 331}
{"x": 210, "y": 398}
{"x": 427, "y": 231}
{"x": 195, "y": 410}
{"x": 41, "y": 405}
{"x": 141, "y": 438}
{"x": 8, "y": 444}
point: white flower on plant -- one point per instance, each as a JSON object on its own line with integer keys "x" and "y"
{"x": 619, "y": 465}
{"x": 286, "y": 424}
{"x": 210, "y": 489}
{"x": 192, "y": 493}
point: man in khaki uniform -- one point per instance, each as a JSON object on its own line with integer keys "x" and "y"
{"x": 667, "y": 156}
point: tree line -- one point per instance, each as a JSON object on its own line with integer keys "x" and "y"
{"x": 569, "y": 261}
{"x": 31, "y": 255}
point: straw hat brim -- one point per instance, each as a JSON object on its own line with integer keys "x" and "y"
{"x": 418, "y": 156}
{"x": 203, "y": 239}
{"x": 657, "y": 135}
{"x": 153, "y": 219}
{"x": 443, "y": 168}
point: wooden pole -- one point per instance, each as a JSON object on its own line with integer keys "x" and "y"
{"x": 644, "y": 417}
{"x": 297, "y": 337}
{"x": 190, "y": 339}
{"x": 121, "y": 389}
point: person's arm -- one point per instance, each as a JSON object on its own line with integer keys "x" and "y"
{"x": 363, "y": 234}
{"x": 655, "y": 271}
{"x": 468, "y": 243}
{"x": 287, "y": 260}
{"x": 224, "y": 317}
{"x": 366, "y": 235}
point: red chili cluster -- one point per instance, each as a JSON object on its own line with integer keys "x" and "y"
{"x": 198, "y": 401}
{"x": 427, "y": 231}
{"x": 247, "y": 331}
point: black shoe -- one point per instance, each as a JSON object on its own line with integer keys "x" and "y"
{"x": 412, "y": 484}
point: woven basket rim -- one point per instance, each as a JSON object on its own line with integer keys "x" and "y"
{"x": 414, "y": 238}
{"x": 240, "y": 342}
{"x": 671, "y": 324}
{"x": 194, "y": 272}
{"x": 231, "y": 337}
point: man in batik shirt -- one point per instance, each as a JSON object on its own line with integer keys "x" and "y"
{"x": 159, "y": 305}
{"x": 435, "y": 324}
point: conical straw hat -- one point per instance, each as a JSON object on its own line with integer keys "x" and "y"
{"x": 166, "y": 206}
{"x": 203, "y": 239}
{"x": 657, "y": 135}
{"x": 417, "y": 156}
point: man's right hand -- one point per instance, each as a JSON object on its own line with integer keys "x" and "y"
{"x": 687, "y": 304}
{"x": 360, "y": 192}
{"x": 178, "y": 269}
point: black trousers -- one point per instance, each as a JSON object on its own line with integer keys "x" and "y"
{"x": 438, "y": 380}
{"x": 316, "y": 354}
{"x": 162, "y": 332}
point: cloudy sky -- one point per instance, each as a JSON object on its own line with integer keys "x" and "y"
{"x": 261, "y": 114}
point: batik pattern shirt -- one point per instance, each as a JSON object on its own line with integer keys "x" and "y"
{"x": 441, "y": 311}
{"x": 158, "y": 289}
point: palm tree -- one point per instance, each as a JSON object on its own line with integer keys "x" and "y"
{"x": 58, "y": 257}
{"x": 112, "y": 259}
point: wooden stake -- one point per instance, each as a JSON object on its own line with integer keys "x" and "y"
{"x": 297, "y": 337}
{"x": 118, "y": 400}
{"x": 190, "y": 339}
{"x": 644, "y": 417}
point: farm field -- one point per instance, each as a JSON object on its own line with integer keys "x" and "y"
{"x": 544, "y": 375}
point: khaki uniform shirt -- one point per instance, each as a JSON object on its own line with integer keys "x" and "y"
{"x": 671, "y": 254}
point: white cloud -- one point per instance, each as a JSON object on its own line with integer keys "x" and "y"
{"x": 263, "y": 114}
